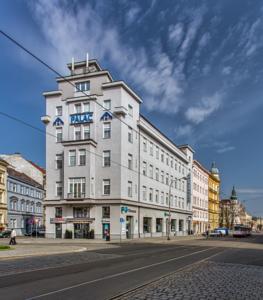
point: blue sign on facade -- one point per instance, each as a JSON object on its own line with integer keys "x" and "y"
{"x": 122, "y": 220}
{"x": 124, "y": 209}
{"x": 86, "y": 117}
{"x": 106, "y": 116}
{"x": 58, "y": 122}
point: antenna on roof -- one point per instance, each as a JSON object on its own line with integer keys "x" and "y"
{"x": 72, "y": 64}
{"x": 87, "y": 61}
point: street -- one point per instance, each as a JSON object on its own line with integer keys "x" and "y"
{"x": 188, "y": 267}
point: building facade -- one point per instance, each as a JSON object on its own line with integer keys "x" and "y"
{"x": 200, "y": 198}
{"x": 25, "y": 202}
{"x": 213, "y": 198}
{"x": 3, "y": 195}
{"x": 233, "y": 212}
{"x": 108, "y": 168}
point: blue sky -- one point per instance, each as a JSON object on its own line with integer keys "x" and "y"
{"x": 197, "y": 65}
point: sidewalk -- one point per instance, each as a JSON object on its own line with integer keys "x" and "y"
{"x": 28, "y": 247}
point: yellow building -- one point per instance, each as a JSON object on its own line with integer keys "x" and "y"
{"x": 213, "y": 198}
{"x": 3, "y": 195}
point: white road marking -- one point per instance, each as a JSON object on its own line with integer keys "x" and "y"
{"x": 115, "y": 275}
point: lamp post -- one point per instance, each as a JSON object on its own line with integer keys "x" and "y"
{"x": 169, "y": 206}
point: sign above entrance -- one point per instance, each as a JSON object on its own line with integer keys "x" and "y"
{"x": 125, "y": 209}
{"x": 86, "y": 117}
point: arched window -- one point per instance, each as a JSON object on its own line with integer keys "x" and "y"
{"x": 32, "y": 207}
{"x": 22, "y": 205}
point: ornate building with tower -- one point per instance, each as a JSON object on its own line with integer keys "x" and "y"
{"x": 213, "y": 197}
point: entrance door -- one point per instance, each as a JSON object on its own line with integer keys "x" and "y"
{"x": 105, "y": 228}
{"x": 81, "y": 230}
{"x": 129, "y": 226}
{"x": 58, "y": 230}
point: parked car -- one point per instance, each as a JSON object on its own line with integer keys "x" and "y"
{"x": 223, "y": 230}
{"x": 5, "y": 233}
{"x": 215, "y": 233}
{"x": 37, "y": 232}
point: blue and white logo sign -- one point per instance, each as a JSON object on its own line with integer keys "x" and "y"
{"x": 86, "y": 117}
{"x": 106, "y": 116}
{"x": 58, "y": 122}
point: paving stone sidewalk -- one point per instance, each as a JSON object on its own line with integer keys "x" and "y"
{"x": 206, "y": 280}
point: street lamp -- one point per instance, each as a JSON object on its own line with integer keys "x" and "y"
{"x": 169, "y": 207}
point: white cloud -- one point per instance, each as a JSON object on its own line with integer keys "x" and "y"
{"x": 132, "y": 14}
{"x": 184, "y": 131}
{"x": 175, "y": 33}
{"x": 208, "y": 105}
{"x": 226, "y": 70}
{"x": 73, "y": 32}
{"x": 225, "y": 149}
{"x": 252, "y": 191}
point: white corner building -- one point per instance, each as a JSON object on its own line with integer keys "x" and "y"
{"x": 109, "y": 170}
{"x": 200, "y": 198}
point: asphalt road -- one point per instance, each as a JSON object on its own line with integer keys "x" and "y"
{"x": 133, "y": 265}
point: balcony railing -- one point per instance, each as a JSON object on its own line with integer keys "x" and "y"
{"x": 76, "y": 195}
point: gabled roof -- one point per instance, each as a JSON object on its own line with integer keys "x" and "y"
{"x": 38, "y": 167}
{"x": 23, "y": 177}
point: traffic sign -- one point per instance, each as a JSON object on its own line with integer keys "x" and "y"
{"x": 122, "y": 220}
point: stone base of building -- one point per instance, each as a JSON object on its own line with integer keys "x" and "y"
{"x": 119, "y": 222}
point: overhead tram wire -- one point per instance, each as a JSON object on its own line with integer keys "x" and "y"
{"x": 64, "y": 77}
{"x": 88, "y": 151}
{"x": 68, "y": 81}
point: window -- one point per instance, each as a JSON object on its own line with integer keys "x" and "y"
{"x": 59, "y": 111}
{"x": 80, "y": 212}
{"x": 162, "y": 176}
{"x": 72, "y": 158}
{"x": 86, "y": 107}
{"x": 82, "y": 157}
{"x": 129, "y": 189}
{"x": 144, "y": 168}
{"x": 106, "y": 186}
{"x": 77, "y": 108}
{"x": 107, "y": 104}
{"x": 22, "y": 205}
{"x": 159, "y": 225}
{"x": 32, "y": 207}
{"x": 167, "y": 160}
{"x": 151, "y": 195}
{"x": 77, "y": 133}
{"x": 106, "y": 158}
{"x": 86, "y": 132}
{"x": 58, "y": 188}
{"x": 181, "y": 225}
{"x": 76, "y": 187}
{"x": 175, "y": 165}
{"x": 157, "y": 152}
{"x": 157, "y": 196}
{"x": 58, "y": 161}
{"x": 162, "y": 198}
{"x": 151, "y": 148}
{"x": 106, "y": 212}
{"x": 59, "y": 134}
{"x": 130, "y": 110}
{"x": 130, "y": 134}
{"x": 144, "y": 145}
{"x": 167, "y": 179}
{"x": 106, "y": 130}
{"x": 147, "y": 225}
{"x": 162, "y": 156}
{"x": 157, "y": 174}
{"x": 166, "y": 199}
{"x": 58, "y": 212}
{"x": 82, "y": 86}
{"x": 151, "y": 171}
{"x": 130, "y": 161}
{"x": 144, "y": 193}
